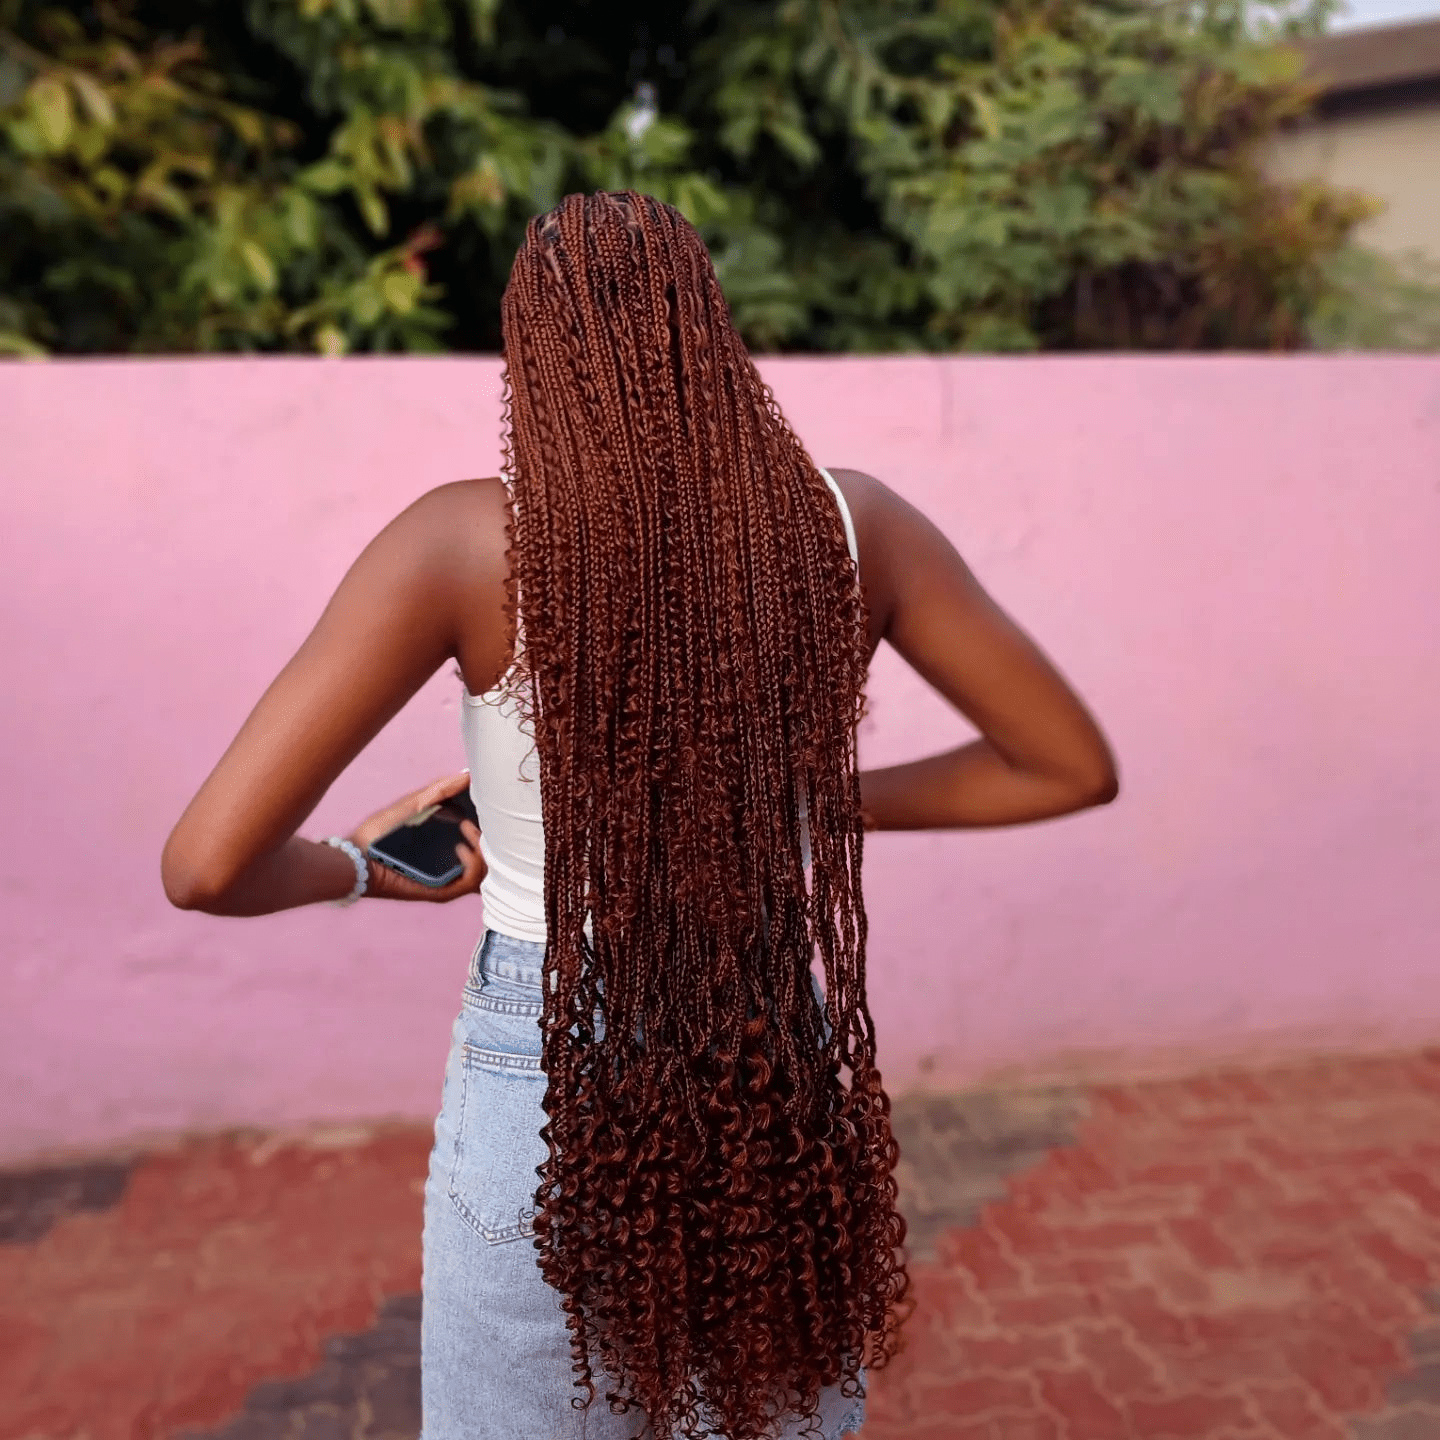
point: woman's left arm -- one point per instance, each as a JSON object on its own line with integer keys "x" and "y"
{"x": 389, "y": 626}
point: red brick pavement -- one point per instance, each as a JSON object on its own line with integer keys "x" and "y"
{"x": 225, "y": 1263}
{"x": 1236, "y": 1257}
{"x": 1239, "y": 1257}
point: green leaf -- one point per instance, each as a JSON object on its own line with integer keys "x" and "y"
{"x": 326, "y": 177}
{"x": 24, "y": 135}
{"x": 987, "y": 114}
{"x": 739, "y": 133}
{"x": 367, "y": 304}
{"x": 158, "y": 193}
{"x": 48, "y": 101}
{"x": 259, "y": 264}
{"x": 93, "y": 98}
{"x": 401, "y": 290}
{"x": 113, "y": 184}
{"x": 373, "y": 208}
{"x": 249, "y": 126}
{"x": 330, "y": 340}
{"x": 20, "y": 347}
{"x": 397, "y": 14}
{"x": 664, "y": 142}
{"x": 1061, "y": 210}
{"x": 800, "y": 146}
{"x": 1155, "y": 94}
{"x": 1264, "y": 65}
{"x": 89, "y": 144}
{"x": 699, "y": 200}
{"x": 482, "y": 20}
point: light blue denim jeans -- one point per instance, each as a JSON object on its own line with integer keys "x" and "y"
{"x": 495, "y": 1353}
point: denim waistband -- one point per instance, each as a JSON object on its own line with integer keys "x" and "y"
{"x": 503, "y": 957}
{"x": 521, "y": 963}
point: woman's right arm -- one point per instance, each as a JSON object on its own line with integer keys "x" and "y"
{"x": 1040, "y": 754}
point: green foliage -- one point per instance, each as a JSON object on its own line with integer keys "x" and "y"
{"x": 1379, "y": 302}
{"x": 870, "y": 175}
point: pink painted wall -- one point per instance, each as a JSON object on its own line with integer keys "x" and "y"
{"x": 1235, "y": 559}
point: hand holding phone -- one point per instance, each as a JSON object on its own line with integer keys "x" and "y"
{"x": 423, "y": 847}
{"x": 412, "y": 844}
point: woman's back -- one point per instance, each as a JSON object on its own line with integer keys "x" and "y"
{"x": 505, "y": 790}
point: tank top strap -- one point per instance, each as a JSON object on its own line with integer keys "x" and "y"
{"x": 839, "y": 495}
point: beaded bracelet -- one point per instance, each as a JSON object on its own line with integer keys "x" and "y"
{"x": 362, "y": 871}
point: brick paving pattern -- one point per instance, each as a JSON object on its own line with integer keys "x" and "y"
{"x": 225, "y": 1263}
{"x": 367, "y": 1388}
{"x": 1240, "y": 1256}
{"x": 32, "y": 1201}
{"x": 1236, "y": 1257}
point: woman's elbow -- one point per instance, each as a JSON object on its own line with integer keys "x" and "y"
{"x": 1083, "y": 785}
{"x": 1100, "y": 787}
{"x": 184, "y": 891}
{"x": 188, "y": 885}
{"x": 1106, "y": 791}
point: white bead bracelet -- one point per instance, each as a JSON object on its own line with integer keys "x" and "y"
{"x": 362, "y": 871}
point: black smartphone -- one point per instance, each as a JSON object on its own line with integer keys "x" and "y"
{"x": 423, "y": 847}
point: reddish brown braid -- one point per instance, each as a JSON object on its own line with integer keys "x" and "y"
{"x": 718, "y": 1208}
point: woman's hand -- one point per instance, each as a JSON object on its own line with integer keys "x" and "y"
{"x": 388, "y": 884}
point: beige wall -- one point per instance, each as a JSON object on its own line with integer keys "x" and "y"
{"x": 1393, "y": 155}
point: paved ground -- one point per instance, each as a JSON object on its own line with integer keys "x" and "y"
{"x": 1247, "y": 1256}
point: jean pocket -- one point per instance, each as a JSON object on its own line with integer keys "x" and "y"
{"x": 498, "y": 1145}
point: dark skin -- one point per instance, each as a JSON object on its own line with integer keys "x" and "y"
{"x": 429, "y": 589}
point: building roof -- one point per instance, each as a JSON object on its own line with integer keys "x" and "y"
{"x": 1376, "y": 58}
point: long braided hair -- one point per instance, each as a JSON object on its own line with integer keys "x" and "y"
{"x": 718, "y": 1208}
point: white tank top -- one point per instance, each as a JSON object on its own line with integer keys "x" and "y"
{"x": 505, "y": 786}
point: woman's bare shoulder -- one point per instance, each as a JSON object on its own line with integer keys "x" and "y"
{"x": 462, "y": 525}
{"x": 474, "y": 511}
{"x": 867, "y": 497}
{"x": 871, "y": 504}
{"x": 468, "y": 519}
